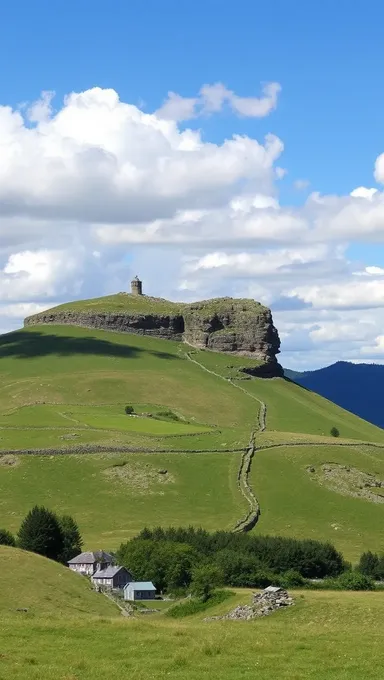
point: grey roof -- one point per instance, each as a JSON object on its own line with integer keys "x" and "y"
{"x": 91, "y": 557}
{"x": 109, "y": 572}
{"x": 272, "y": 589}
{"x": 141, "y": 585}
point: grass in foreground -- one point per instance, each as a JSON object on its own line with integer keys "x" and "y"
{"x": 325, "y": 635}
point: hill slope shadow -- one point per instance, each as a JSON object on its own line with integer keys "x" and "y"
{"x": 27, "y": 345}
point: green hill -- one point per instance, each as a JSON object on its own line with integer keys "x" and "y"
{"x": 46, "y": 589}
{"x": 181, "y": 457}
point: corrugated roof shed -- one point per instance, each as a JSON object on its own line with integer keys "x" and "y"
{"x": 140, "y": 585}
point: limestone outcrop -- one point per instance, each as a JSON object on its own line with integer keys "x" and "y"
{"x": 235, "y": 326}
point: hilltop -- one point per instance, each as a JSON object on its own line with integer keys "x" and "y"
{"x": 236, "y": 326}
{"x": 355, "y": 387}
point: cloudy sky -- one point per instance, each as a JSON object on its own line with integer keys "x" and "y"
{"x": 212, "y": 152}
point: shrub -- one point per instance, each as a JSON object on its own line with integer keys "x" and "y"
{"x": 193, "y": 606}
{"x": 6, "y": 538}
{"x": 167, "y": 414}
{"x": 369, "y": 565}
{"x": 292, "y": 579}
{"x": 335, "y": 432}
{"x": 40, "y": 532}
{"x": 129, "y": 410}
{"x": 204, "y": 580}
{"x": 353, "y": 580}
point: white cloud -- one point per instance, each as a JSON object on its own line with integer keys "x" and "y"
{"x": 96, "y": 189}
{"x": 301, "y": 184}
{"x": 347, "y": 295}
{"x": 212, "y": 98}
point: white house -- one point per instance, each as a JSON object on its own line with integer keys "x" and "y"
{"x": 139, "y": 590}
{"x": 88, "y": 563}
{"x": 111, "y": 577}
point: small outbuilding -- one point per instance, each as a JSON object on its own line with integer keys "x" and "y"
{"x": 139, "y": 590}
{"x": 111, "y": 578}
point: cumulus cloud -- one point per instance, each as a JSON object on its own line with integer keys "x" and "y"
{"x": 94, "y": 189}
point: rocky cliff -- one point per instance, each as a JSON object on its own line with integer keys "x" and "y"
{"x": 234, "y": 326}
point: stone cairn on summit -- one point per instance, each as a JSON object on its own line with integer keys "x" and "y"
{"x": 263, "y": 604}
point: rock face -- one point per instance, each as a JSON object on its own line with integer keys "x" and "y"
{"x": 168, "y": 327}
{"x": 234, "y": 326}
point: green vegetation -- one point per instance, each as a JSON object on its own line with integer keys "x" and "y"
{"x": 335, "y": 432}
{"x": 112, "y": 496}
{"x": 295, "y": 501}
{"x": 324, "y": 635}
{"x": 198, "y": 605}
{"x": 40, "y": 532}
{"x": 46, "y": 589}
{"x": 6, "y": 538}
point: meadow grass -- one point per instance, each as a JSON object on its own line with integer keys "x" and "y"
{"x": 324, "y": 635}
{"x": 294, "y": 504}
{"x": 113, "y": 496}
{"x": 96, "y": 417}
{"x": 46, "y": 589}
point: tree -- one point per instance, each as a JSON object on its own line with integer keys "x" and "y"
{"x": 72, "y": 541}
{"x": 40, "y": 532}
{"x": 6, "y": 538}
{"x": 204, "y": 580}
{"x": 129, "y": 410}
{"x": 369, "y": 565}
{"x": 335, "y": 432}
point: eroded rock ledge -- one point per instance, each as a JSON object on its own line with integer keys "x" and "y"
{"x": 234, "y": 326}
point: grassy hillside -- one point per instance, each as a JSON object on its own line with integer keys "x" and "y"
{"x": 45, "y": 589}
{"x": 113, "y": 495}
{"x": 298, "y": 499}
{"x": 325, "y": 635}
{"x": 65, "y": 388}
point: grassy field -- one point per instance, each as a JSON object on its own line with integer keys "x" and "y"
{"x": 45, "y": 589}
{"x": 325, "y": 635}
{"x": 113, "y": 496}
{"x": 295, "y": 504}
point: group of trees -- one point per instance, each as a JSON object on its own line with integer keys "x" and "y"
{"x": 372, "y": 565}
{"x": 193, "y": 558}
{"x": 45, "y": 533}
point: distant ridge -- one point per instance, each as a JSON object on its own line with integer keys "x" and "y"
{"x": 356, "y": 387}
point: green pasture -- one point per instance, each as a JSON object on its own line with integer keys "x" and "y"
{"x": 96, "y": 417}
{"x": 114, "y": 496}
{"x": 294, "y": 504}
{"x": 45, "y": 588}
{"x": 324, "y": 635}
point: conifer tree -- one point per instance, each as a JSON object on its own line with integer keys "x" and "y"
{"x": 6, "y": 538}
{"x": 40, "y": 532}
{"x": 72, "y": 541}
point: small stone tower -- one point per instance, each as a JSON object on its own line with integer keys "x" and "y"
{"x": 136, "y": 286}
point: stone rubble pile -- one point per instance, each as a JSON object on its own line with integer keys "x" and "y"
{"x": 263, "y": 604}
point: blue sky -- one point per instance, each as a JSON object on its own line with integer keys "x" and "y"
{"x": 327, "y": 59}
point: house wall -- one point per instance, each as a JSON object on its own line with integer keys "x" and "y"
{"x": 86, "y": 569}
